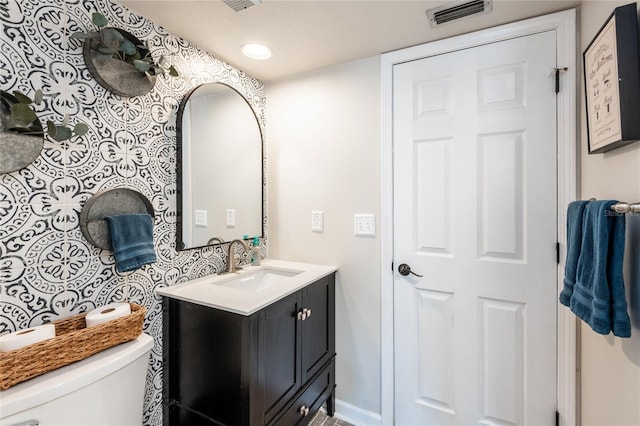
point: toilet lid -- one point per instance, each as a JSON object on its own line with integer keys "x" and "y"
{"x": 70, "y": 378}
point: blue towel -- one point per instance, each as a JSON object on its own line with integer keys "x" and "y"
{"x": 575, "y": 213}
{"x": 598, "y": 296}
{"x": 132, "y": 240}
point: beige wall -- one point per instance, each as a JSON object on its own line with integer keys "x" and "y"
{"x": 610, "y": 367}
{"x": 323, "y": 136}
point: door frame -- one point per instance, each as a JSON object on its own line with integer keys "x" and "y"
{"x": 564, "y": 23}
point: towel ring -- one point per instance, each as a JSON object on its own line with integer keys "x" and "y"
{"x": 110, "y": 203}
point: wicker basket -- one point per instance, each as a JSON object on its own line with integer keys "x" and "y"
{"x": 73, "y": 342}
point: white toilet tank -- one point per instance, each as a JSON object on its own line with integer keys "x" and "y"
{"x": 106, "y": 389}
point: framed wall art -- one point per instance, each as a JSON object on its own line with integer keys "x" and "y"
{"x": 612, "y": 82}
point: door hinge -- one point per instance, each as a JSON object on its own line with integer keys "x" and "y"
{"x": 557, "y": 253}
{"x": 557, "y": 70}
{"x": 557, "y": 418}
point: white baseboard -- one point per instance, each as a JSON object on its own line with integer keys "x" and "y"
{"x": 355, "y": 415}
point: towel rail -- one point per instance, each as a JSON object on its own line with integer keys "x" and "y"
{"x": 623, "y": 207}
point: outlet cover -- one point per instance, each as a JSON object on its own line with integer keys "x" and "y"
{"x": 364, "y": 225}
{"x": 317, "y": 221}
{"x": 200, "y": 217}
{"x": 231, "y": 218}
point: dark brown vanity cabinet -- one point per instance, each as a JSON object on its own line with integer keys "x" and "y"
{"x": 274, "y": 367}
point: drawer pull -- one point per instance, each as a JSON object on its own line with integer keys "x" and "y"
{"x": 28, "y": 423}
{"x": 304, "y": 410}
{"x": 308, "y": 312}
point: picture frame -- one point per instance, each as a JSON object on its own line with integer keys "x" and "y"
{"x": 612, "y": 82}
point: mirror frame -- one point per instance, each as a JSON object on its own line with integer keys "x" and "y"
{"x": 179, "y": 190}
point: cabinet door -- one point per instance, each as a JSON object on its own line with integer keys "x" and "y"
{"x": 279, "y": 349}
{"x": 318, "y": 329}
{"x": 182, "y": 416}
{"x": 210, "y": 362}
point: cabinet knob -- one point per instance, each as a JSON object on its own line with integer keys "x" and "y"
{"x": 304, "y": 410}
{"x": 304, "y": 314}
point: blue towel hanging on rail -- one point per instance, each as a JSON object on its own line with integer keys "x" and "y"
{"x": 575, "y": 214}
{"x": 597, "y": 295}
{"x": 132, "y": 240}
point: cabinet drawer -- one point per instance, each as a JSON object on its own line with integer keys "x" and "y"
{"x": 311, "y": 398}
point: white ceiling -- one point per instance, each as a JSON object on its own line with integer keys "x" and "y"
{"x": 312, "y": 34}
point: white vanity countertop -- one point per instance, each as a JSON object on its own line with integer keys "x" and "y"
{"x": 213, "y": 291}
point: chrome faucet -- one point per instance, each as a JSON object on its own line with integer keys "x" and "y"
{"x": 231, "y": 261}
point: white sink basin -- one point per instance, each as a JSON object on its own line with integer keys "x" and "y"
{"x": 250, "y": 289}
{"x": 259, "y": 280}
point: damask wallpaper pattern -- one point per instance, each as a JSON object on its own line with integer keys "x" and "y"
{"x": 47, "y": 269}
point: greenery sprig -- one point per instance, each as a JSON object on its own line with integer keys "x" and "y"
{"x": 18, "y": 115}
{"x": 112, "y": 44}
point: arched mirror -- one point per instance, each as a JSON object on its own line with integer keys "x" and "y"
{"x": 219, "y": 168}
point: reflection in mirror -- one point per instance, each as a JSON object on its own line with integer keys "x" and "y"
{"x": 219, "y": 168}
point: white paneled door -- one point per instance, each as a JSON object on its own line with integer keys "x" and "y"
{"x": 475, "y": 215}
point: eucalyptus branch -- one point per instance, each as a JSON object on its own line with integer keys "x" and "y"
{"x": 112, "y": 44}
{"x": 18, "y": 115}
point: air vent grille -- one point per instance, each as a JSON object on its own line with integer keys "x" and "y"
{"x": 456, "y": 10}
{"x": 239, "y": 5}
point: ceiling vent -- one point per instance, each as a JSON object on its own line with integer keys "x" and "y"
{"x": 239, "y": 5}
{"x": 456, "y": 10}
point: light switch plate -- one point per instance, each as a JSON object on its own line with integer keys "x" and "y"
{"x": 364, "y": 225}
{"x": 200, "y": 217}
{"x": 317, "y": 221}
{"x": 231, "y": 218}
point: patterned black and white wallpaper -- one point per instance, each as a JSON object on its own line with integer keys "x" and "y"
{"x": 47, "y": 269}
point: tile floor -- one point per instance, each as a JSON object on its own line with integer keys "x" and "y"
{"x": 321, "y": 419}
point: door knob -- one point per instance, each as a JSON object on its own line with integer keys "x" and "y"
{"x": 405, "y": 270}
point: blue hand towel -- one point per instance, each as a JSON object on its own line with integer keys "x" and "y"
{"x": 132, "y": 240}
{"x": 575, "y": 213}
{"x": 620, "y": 321}
{"x": 598, "y": 295}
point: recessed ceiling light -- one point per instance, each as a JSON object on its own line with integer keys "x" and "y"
{"x": 256, "y": 51}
